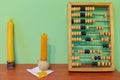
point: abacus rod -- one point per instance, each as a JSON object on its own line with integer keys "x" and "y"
{"x": 88, "y": 45}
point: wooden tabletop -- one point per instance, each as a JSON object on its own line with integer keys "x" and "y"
{"x": 60, "y": 73}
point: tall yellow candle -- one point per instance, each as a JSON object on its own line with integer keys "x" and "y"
{"x": 10, "y": 48}
{"x": 44, "y": 41}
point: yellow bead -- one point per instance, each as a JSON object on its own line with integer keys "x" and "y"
{"x": 103, "y": 64}
{"x": 72, "y": 45}
{"x": 97, "y": 27}
{"x": 106, "y": 64}
{"x": 103, "y": 57}
{"x": 92, "y": 57}
{"x": 98, "y": 63}
{"x": 109, "y": 63}
{"x": 73, "y": 58}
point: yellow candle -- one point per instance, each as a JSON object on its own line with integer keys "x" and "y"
{"x": 44, "y": 47}
{"x": 10, "y": 48}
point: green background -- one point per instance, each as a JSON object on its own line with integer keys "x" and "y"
{"x": 34, "y": 17}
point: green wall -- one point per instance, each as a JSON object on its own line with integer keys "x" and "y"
{"x": 34, "y": 17}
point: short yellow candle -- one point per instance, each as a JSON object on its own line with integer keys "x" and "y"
{"x": 10, "y": 48}
{"x": 44, "y": 40}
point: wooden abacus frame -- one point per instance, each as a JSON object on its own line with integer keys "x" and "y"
{"x": 91, "y": 69}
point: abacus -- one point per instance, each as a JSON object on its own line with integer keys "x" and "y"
{"x": 90, "y": 37}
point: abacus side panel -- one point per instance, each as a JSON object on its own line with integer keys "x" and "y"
{"x": 69, "y": 36}
{"x": 111, "y": 24}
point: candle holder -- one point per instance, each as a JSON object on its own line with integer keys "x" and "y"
{"x": 10, "y": 65}
{"x": 43, "y": 65}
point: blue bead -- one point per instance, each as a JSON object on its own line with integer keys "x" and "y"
{"x": 105, "y": 45}
{"x": 95, "y": 57}
{"x": 82, "y": 8}
{"x": 99, "y": 58}
{"x": 87, "y": 51}
{"x": 72, "y": 21}
{"x": 83, "y": 33}
{"x": 82, "y": 14}
{"x": 83, "y": 27}
{"x": 82, "y": 21}
{"x": 94, "y": 63}
{"x": 88, "y": 39}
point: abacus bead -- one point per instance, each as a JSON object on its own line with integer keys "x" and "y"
{"x": 108, "y": 33}
{"x": 103, "y": 64}
{"x": 98, "y": 63}
{"x": 78, "y": 27}
{"x": 95, "y": 57}
{"x": 82, "y": 14}
{"x": 94, "y": 63}
{"x": 73, "y": 58}
{"x": 83, "y": 27}
{"x": 106, "y": 64}
{"x": 78, "y": 57}
{"x": 106, "y": 57}
{"x": 91, "y": 39}
{"x": 97, "y": 27}
{"x": 90, "y": 8}
{"x": 79, "y": 39}
{"x": 103, "y": 57}
{"x": 88, "y": 39}
{"x": 109, "y": 57}
{"x": 107, "y": 39}
{"x": 79, "y": 33}
{"x": 86, "y": 8}
{"x": 101, "y": 33}
{"x": 82, "y": 21}
{"x": 100, "y": 51}
{"x": 93, "y": 8}
{"x": 90, "y": 51}
{"x": 89, "y": 20}
{"x": 105, "y": 45}
{"x": 72, "y": 45}
{"x": 93, "y": 21}
{"x": 87, "y": 51}
{"x": 92, "y": 57}
{"x": 102, "y": 27}
{"x": 97, "y": 51}
{"x": 72, "y": 33}
{"x": 73, "y": 64}
{"x": 82, "y": 8}
{"x": 87, "y": 27}
{"x": 72, "y": 39}
{"x": 109, "y": 63}
{"x": 72, "y": 21}
{"x": 78, "y": 64}
{"x": 78, "y": 51}
{"x": 83, "y": 33}
{"x": 105, "y": 15}
{"x": 83, "y": 51}
{"x": 102, "y": 39}
{"x": 99, "y": 57}
{"x": 93, "y": 51}
{"x": 90, "y": 14}
{"x": 109, "y": 46}
{"x": 105, "y": 33}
